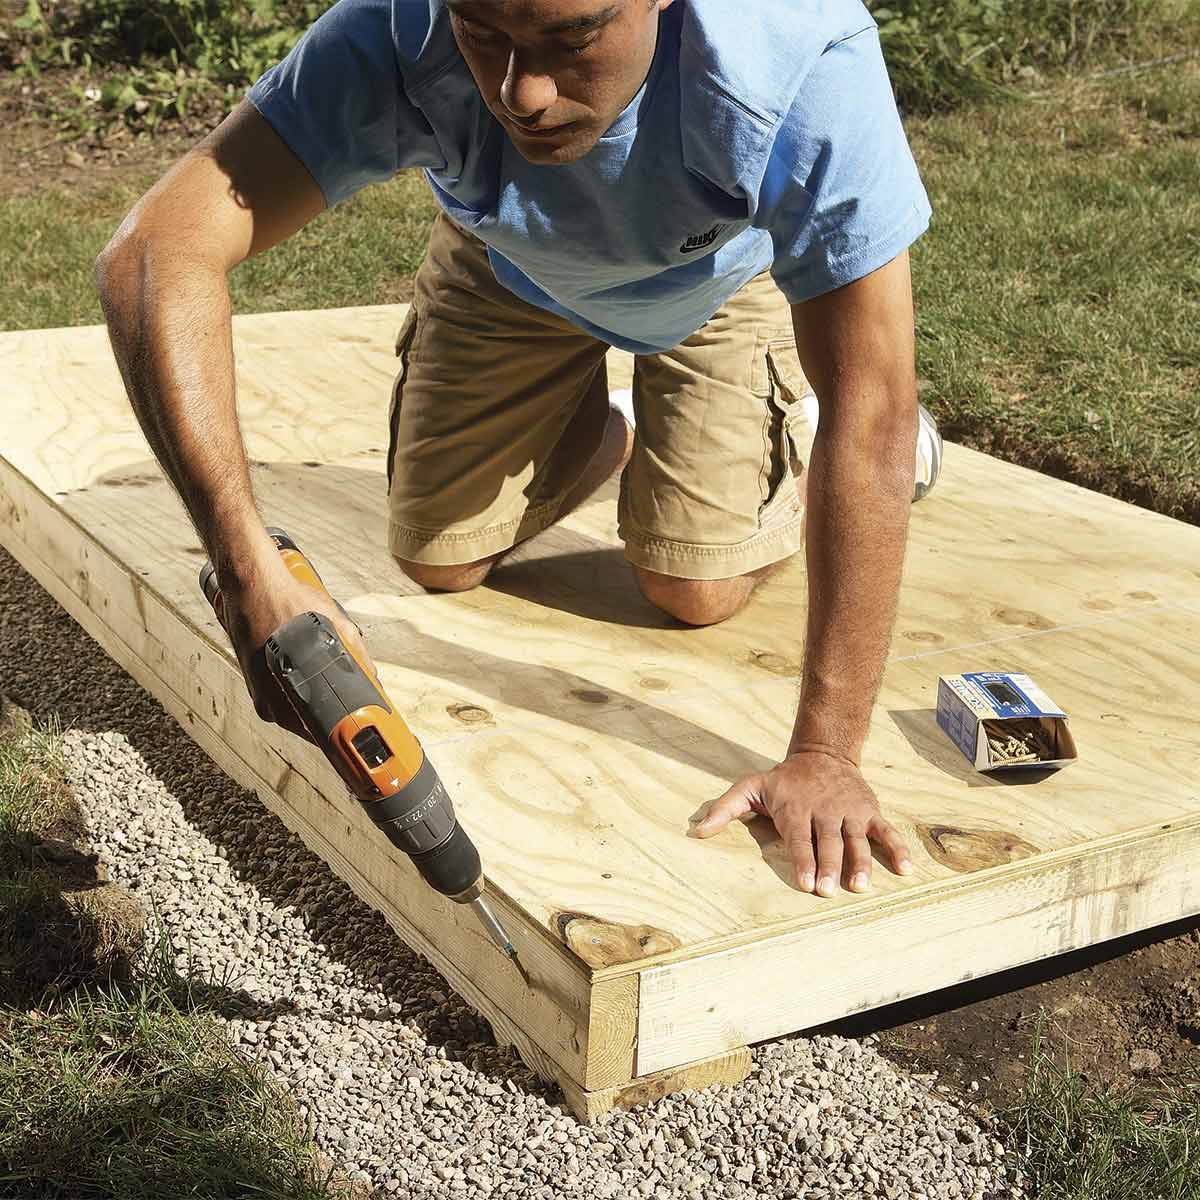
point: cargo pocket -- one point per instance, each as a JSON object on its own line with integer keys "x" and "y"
{"x": 788, "y": 433}
{"x": 403, "y": 343}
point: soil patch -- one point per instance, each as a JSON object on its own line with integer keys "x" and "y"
{"x": 1123, "y": 1011}
{"x": 38, "y": 151}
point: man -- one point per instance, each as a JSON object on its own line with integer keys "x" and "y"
{"x": 725, "y": 190}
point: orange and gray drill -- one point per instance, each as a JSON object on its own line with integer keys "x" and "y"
{"x": 345, "y": 711}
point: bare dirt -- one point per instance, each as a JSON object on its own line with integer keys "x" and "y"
{"x": 39, "y": 150}
{"x": 1124, "y": 1012}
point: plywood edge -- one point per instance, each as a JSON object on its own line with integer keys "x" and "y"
{"x": 101, "y": 582}
{"x": 553, "y": 1024}
{"x": 731, "y": 1066}
{"x": 868, "y": 958}
{"x": 869, "y": 907}
{"x": 1068, "y": 490}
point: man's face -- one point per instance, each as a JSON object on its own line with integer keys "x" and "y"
{"x": 556, "y": 73}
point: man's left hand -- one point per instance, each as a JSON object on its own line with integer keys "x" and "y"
{"x": 826, "y": 814}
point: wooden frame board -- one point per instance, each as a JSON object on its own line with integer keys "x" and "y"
{"x": 578, "y": 729}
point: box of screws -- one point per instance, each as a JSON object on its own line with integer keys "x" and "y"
{"x": 1002, "y": 720}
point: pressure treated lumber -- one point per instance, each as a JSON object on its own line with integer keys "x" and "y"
{"x": 578, "y": 729}
{"x": 730, "y": 1067}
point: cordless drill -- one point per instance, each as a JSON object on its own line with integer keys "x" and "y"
{"x": 343, "y": 708}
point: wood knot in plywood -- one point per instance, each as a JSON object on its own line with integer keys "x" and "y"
{"x": 652, "y": 683}
{"x": 973, "y": 849}
{"x": 602, "y": 943}
{"x": 775, "y": 663}
{"x": 1022, "y": 616}
{"x": 470, "y": 714}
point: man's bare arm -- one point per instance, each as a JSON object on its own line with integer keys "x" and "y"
{"x": 162, "y": 284}
{"x": 856, "y": 346}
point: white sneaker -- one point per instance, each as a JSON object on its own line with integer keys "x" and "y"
{"x": 622, "y": 400}
{"x": 929, "y": 453}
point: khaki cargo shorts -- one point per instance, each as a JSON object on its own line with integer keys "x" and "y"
{"x": 499, "y": 406}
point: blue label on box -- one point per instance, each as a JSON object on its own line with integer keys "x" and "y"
{"x": 1012, "y": 695}
{"x": 956, "y": 720}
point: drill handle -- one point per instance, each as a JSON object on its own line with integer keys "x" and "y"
{"x": 320, "y": 675}
{"x": 302, "y": 571}
{"x": 339, "y": 700}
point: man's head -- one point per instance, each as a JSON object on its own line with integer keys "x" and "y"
{"x": 556, "y": 73}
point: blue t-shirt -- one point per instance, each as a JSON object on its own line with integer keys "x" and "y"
{"x": 763, "y": 137}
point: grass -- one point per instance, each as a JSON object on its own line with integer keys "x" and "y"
{"x": 364, "y": 252}
{"x": 115, "y": 1082}
{"x": 1075, "y": 1142}
{"x": 944, "y": 52}
{"x": 31, "y": 797}
{"x": 1059, "y": 290}
{"x": 119, "y": 1093}
{"x": 59, "y": 927}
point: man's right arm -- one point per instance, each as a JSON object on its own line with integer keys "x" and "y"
{"x": 162, "y": 284}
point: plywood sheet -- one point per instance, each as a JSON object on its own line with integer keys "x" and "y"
{"x": 579, "y": 729}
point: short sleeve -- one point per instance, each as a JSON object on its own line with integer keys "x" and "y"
{"x": 338, "y": 102}
{"x": 841, "y": 195}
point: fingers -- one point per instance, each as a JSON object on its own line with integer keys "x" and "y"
{"x": 804, "y": 860}
{"x": 355, "y": 640}
{"x": 269, "y": 701}
{"x": 829, "y": 856}
{"x": 842, "y": 851}
{"x": 735, "y": 803}
{"x": 853, "y": 858}
{"x": 894, "y": 846}
{"x": 857, "y": 857}
{"x": 827, "y": 824}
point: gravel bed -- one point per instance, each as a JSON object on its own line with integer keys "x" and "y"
{"x": 397, "y": 1078}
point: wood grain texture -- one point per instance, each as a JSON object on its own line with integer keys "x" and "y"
{"x": 732, "y": 1066}
{"x": 579, "y": 730}
{"x": 550, "y": 1021}
{"x": 939, "y": 935}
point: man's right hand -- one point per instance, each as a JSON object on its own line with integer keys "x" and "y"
{"x": 254, "y": 605}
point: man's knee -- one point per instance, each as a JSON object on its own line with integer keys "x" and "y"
{"x": 695, "y": 601}
{"x": 459, "y": 577}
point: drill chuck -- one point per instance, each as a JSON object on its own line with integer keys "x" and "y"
{"x": 420, "y": 820}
